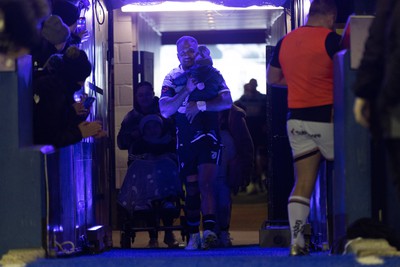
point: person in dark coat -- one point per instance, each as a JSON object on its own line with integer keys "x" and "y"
{"x": 53, "y": 37}
{"x": 145, "y": 103}
{"x": 57, "y": 121}
{"x": 255, "y": 104}
{"x": 70, "y": 14}
{"x": 236, "y": 167}
{"x": 377, "y": 102}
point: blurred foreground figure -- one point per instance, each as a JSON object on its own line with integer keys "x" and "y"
{"x": 19, "y": 21}
{"x": 377, "y": 103}
{"x": 58, "y": 119}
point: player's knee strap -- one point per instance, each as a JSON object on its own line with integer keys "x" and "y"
{"x": 192, "y": 188}
{"x": 192, "y": 201}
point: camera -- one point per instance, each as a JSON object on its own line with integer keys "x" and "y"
{"x": 88, "y": 102}
{"x": 81, "y": 24}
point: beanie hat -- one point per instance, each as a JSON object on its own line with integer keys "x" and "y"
{"x": 147, "y": 118}
{"x": 68, "y": 12}
{"x": 55, "y": 31}
{"x": 203, "y": 57}
{"x": 76, "y": 65}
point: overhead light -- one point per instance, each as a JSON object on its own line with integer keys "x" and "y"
{"x": 186, "y": 6}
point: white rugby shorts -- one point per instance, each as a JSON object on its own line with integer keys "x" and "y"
{"x": 308, "y": 136}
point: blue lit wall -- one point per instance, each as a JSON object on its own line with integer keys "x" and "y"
{"x": 21, "y": 172}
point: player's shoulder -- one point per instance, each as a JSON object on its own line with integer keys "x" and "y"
{"x": 175, "y": 72}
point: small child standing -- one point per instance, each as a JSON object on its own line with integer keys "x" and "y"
{"x": 152, "y": 183}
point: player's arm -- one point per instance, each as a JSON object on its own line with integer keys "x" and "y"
{"x": 275, "y": 76}
{"x": 170, "y": 101}
{"x": 274, "y": 71}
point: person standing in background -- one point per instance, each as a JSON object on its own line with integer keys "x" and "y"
{"x": 145, "y": 103}
{"x": 302, "y": 60}
{"x": 236, "y": 166}
{"x": 255, "y": 105}
{"x": 53, "y": 37}
{"x": 130, "y": 136}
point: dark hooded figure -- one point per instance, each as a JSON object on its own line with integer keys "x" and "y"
{"x": 57, "y": 121}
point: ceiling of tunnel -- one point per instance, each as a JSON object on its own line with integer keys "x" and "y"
{"x": 221, "y": 20}
{"x": 234, "y": 19}
{"x": 113, "y": 4}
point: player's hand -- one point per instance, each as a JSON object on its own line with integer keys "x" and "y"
{"x": 191, "y": 84}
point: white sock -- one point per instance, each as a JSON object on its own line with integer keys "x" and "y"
{"x": 298, "y": 211}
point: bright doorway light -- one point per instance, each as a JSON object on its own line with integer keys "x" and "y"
{"x": 238, "y": 64}
{"x": 306, "y": 9}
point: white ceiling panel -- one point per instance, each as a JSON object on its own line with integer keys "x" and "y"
{"x": 173, "y": 21}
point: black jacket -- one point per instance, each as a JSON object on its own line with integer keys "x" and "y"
{"x": 55, "y": 119}
{"x": 378, "y": 77}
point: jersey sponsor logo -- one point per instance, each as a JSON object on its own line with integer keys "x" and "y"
{"x": 302, "y": 132}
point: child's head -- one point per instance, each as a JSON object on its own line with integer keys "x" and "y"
{"x": 203, "y": 56}
{"x": 151, "y": 126}
{"x": 55, "y": 32}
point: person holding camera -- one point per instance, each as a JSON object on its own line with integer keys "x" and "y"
{"x": 57, "y": 121}
{"x": 70, "y": 15}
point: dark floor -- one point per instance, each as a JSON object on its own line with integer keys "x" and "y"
{"x": 248, "y": 214}
{"x": 233, "y": 257}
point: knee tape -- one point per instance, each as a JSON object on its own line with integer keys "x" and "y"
{"x": 192, "y": 188}
{"x": 193, "y": 202}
